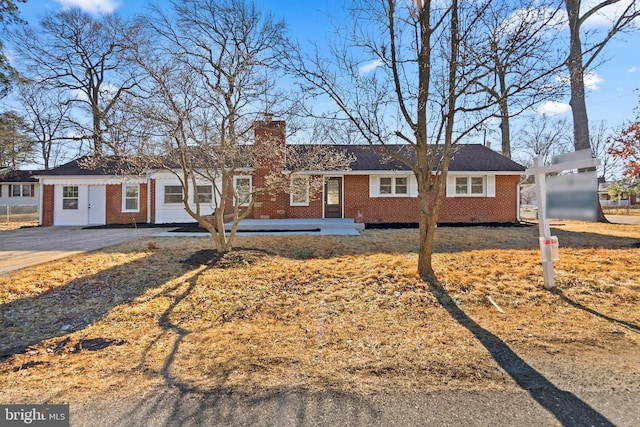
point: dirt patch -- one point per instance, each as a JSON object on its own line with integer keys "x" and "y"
{"x": 232, "y": 259}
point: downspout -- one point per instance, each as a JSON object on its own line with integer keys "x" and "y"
{"x": 148, "y": 198}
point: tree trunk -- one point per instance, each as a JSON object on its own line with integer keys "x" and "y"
{"x": 505, "y": 128}
{"x": 427, "y": 232}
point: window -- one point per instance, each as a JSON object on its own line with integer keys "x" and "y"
{"x": 131, "y": 197}
{"x": 205, "y": 193}
{"x": 299, "y": 191}
{"x": 70, "y": 197}
{"x": 242, "y": 188}
{"x": 172, "y": 194}
{"x": 469, "y": 185}
{"x": 477, "y": 185}
{"x": 393, "y": 186}
{"x": 21, "y": 190}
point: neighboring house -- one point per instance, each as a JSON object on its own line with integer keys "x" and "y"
{"x": 18, "y": 190}
{"x": 605, "y": 197}
{"x": 482, "y": 187}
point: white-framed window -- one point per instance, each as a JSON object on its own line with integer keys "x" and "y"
{"x": 299, "y": 191}
{"x": 393, "y": 186}
{"x": 205, "y": 193}
{"x": 131, "y": 198}
{"x": 242, "y": 189}
{"x": 22, "y": 190}
{"x": 172, "y": 194}
{"x": 471, "y": 185}
{"x": 70, "y": 197}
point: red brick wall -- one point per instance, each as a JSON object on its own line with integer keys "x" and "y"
{"x": 501, "y": 208}
{"x": 270, "y": 149}
{"x": 114, "y": 214}
{"x": 47, "y": 205}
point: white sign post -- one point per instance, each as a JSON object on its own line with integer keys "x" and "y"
{"x": 577, "y": 160}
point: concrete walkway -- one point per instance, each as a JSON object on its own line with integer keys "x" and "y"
{"x": 30, "y": 246}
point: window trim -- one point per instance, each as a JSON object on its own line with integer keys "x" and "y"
{"x": 291, "y": 191}
{"x": 394, "y": 186}
{"x": 235, "y": 187}
{"x": 125, "y": 198}
{"x": 198, "y": 194}
{"x": 173, "y": 194}
{"x": 21, "y": 191}
{"x": 76, "y": 198}
{"x": 488, "y": 185}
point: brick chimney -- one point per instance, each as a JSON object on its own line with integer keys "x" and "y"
{"x": 269, "y": 158}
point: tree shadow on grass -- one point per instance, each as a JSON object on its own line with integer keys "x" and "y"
{"x": 80, "y": 302}
{"x": 566, "y": 407}
{"x": 563, "y": 297}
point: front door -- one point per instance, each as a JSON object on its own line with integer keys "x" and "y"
{"x": 333, "y": 197}
{"x": 97, "y": 204}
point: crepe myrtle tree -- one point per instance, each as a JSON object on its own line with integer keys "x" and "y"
{"x": 400, "y": 74}
{"x": 204, "y": 88}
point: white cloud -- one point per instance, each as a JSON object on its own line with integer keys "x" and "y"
{"x": 606, "y": 16}
{"x": 91, "y": 6}
{"x": 633, "y": 69}
{"x": 591, "y": 80}
{"x": 366, "y": 68}
{"x": 551, "y": 108}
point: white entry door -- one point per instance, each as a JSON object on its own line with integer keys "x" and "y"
{"x": 97, "y": 204}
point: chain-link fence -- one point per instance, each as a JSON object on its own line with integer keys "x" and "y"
{"x": 15, "y": 216}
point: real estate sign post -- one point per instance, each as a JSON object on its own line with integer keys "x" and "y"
{"x": 568, "y": 196}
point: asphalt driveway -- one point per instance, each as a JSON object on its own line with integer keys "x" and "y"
{"x": 30, "y": 246}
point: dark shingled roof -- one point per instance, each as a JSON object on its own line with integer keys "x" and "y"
{"x": 18, "y": 176}
{"x": 85, "y": 166}
{"x": 466, "y": 158}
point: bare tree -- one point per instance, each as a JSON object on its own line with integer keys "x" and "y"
{"x": 206, "y": 66}
{"x": 582, "y": 56}
{"x": 519, "y": 59}
{"x": 543, "y": 136}
{"x": 402, "y": 73}
{"x": 86, "y": 56}
{"x": 600, "y": 142}
{"x": 47, "y": 119}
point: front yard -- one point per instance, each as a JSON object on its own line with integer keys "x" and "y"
{"x": 321, "y": 313}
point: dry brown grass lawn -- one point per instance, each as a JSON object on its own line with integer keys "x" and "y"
{"x": 340, "y": 313}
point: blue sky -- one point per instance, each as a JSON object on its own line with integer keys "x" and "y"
{"x": 613, "y": 91}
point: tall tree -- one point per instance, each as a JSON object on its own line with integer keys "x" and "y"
{"x": 47, "y": 119}
{"x": 205, "y": 88}
{"x": 8, "y": 15}
{"x": 520, "y": 62}
{"x": 86, "y": 56}
{"x": 402, "y": 73}
{"x": 16, "y": 148}
{"x": 582, "y": 54}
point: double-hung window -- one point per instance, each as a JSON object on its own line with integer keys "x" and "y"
{"x": 172, "y": 194}
{"x": 469, "y": 186}
{"x": 131, "y": 198}
{"x": 205, "y": 193}
{"x": 299, "y": 191}
{"x": 22, "y": 190}
{"x": 390, "y": 186}
{"x": 70, "y": 197}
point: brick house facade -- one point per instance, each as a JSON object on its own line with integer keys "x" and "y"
{"x": 482, "y": 187}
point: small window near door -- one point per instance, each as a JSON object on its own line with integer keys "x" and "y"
{"x": 300, "y": 191}
{"x": 131, "y": 198}
{"x": 242, "y": 188}
{"x": 172, "y": 194}
{"x": 70, "y": 197}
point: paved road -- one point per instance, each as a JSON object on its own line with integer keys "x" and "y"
{"x": 30, "y": 246}
{"x": 166, "y": 407}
